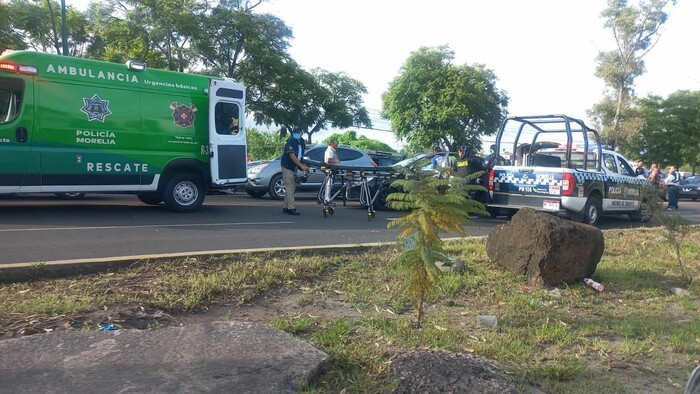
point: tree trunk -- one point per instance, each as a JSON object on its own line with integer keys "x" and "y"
{"x": 419, "y": 318}
{"x": 55, "y": 32}
{"x": 616, "y": 119}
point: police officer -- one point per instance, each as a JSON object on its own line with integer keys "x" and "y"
{"x": 468, "y": 164}
{"x": 291, "y": 161}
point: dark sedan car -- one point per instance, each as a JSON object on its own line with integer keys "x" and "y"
{"x": 422, "y": 163}
{"x": 690, "y": 188}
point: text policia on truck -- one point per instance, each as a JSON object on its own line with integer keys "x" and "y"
{"x": 70, "y": 125}
{"x": 559, "y": 166}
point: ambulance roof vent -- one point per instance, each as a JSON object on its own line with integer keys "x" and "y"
{"x": 136, "y": 65}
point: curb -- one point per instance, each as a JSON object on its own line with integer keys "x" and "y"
{"x": 19, "y": 272}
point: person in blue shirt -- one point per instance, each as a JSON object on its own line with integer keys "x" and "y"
{"x": 291, "y": 162}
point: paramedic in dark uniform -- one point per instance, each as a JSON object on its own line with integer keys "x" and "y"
{"x": 466, "y": 165}
{"x": 291, "y": 161}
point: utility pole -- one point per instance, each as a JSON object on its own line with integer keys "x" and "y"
{"x": 63, "y": 28}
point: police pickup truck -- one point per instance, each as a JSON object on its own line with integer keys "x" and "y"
{"x": 559, "y": 166}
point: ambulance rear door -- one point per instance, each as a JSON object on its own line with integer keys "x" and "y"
{"x": 227, "y": 137}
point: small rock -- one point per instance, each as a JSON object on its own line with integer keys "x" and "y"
{"x": 487, "y": 320}
{"x": 555, "y": 292}
{"x": 619, "y": 365}
{"x": 679, "y": 292}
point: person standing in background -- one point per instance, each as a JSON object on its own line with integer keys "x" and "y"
{"x": 640, "y": 170}
{"x": 673, "y": 181}
{"x": 331, "y": 155}
{"x": 291, "y": 161}
{"x": 654, "y": 175}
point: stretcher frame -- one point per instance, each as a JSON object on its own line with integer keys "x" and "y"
{"x": 369, "y": 179}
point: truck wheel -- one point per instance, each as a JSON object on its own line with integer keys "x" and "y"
{"x": 184, "y": 193}
{"x": 642, "y": 215}
{"x": 70, "y": 196}
{"x": 256, "y": 193}
{"x": 592, "y": 211}
{"x": 150, "y": 198}
{"x": 277, "y": 188}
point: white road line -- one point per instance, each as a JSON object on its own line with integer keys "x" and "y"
{"x": 11, "y": 230}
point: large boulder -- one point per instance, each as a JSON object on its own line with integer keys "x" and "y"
{"x": 547, "y": 249}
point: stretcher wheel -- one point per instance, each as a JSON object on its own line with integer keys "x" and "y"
{"x": 325, "y": 212}
{"x": 370, "y": 216}
{"x": 331, "y": 211}
{"x": 345, "y": 203}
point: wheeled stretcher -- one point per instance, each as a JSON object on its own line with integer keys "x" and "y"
{"x": 368, "y": 179}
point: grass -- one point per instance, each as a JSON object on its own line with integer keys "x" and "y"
{"x": 635, "y": 336}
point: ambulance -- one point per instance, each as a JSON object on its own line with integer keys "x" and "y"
{"x": 70, "y": 126}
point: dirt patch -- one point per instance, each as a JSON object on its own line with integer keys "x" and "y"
{"x": 118, "y": 317}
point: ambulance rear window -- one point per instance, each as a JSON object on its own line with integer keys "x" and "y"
{"x": 11, "y": 93}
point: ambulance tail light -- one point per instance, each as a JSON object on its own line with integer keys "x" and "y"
{"x": 568, "y": 184}
{"x": 492, "y": 175}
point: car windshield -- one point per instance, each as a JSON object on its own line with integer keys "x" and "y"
{"x": 411, "y": 160}
{"x": 692, "y": 181}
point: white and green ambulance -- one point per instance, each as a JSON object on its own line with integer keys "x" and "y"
{"x": 71, "y": 125}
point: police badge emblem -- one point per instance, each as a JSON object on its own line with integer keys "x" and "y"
{"x": 183, "y": 115}
{"x": 95, "y": 108}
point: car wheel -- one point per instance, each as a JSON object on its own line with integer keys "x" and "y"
{"x": 184, "y": 193}
{"x": 150, "y": 198}
{"x": 256, "y": 193}
{"x": 277, "y": 189}
{"x": 70, "y": 196}
{"x": 592, "y": 211}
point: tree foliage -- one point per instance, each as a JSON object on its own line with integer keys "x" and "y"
{"x": 350, "y": 138}
{"x": 433, "y": 101}
{"x": 636, "y": 29}
{"x": 10, "y": 36}
{"x": 670, "y": 134}
{"x": 435, "y": 204}
{"x": 263, "y": 145}
{"x": 228, "y": 38}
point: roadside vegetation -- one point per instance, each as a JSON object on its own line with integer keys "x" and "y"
{"x": 638, "y": 335}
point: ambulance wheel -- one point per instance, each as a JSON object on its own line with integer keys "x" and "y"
{"x": 184, "y": 193}
{"x": 277, "y": 189}
{"x": 70, "y": 196}
{"x": 592, "y": 211}
{"x": 150, "y": 198}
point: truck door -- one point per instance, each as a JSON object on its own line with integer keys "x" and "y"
{"x": 15, "y": 132}
{"x": 227, "y": 139}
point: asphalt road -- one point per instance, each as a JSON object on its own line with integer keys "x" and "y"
{"x": 40, "y": 228}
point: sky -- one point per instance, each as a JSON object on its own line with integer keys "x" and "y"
{"x": 542, "y": 51}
